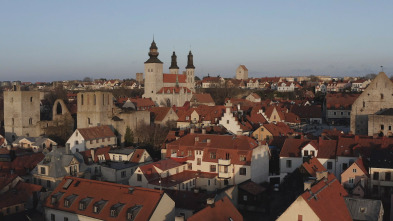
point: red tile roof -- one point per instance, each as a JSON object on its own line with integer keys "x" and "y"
{"x": 92, "y": 133}
{"x": 137, "y": 155}
{"x": 202, "y": 98}
{"x": 97, "y": 152}
{"x": 22, "y": 164}
{"x": 222, "y": 210}
{"x": 340, "y": 101}
{"x": 252, "y": 188}
{"x": 278, "y": 129}
{"x": 110, "y": 192}
{"x": 220, "y": 145}
{"x": 160, "y": 113}
{"x": 313, "y": 166}
{"x": 326, "y": 199}
{"x": 171, "y": 78}
{"x": 307, "y": 111}
{"x": 19, "y": 194}
{"x": 181, "y": 177}
{"x": 6, "y": 178}
{"x": 360, "y": 164}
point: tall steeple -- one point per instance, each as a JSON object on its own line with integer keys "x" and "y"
{"x": 174, "y": 62}
{"x": 190, "y": 61}
{"x": 153, "y": 54}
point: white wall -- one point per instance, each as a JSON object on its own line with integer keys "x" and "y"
{"x": 260, "y": 164}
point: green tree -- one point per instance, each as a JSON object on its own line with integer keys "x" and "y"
{"x": 128, "y": 137}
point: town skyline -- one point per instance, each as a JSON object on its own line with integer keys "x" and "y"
{"x": 66, "y": 41}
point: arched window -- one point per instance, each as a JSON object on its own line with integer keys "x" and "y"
{"x": 30, "y": 121}
{"x": 31, "y": 99}
{"x": 59, "y": 110}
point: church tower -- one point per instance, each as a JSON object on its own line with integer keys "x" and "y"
{"x": 153, "y": 73}
{"x": 174, "y": 69}
{"x": 190, "y": 72}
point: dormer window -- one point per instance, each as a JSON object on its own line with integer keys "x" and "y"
{"x": 69, "y": 199}
{"x": 98, "y": 206}
{"x": 242, "y": 158}
{"x": 115, "y": 209}
{"x": 133, "y": 212}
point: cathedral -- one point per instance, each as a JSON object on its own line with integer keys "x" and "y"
{"x": 168, "y": 89}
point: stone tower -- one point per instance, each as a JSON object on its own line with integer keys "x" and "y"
{"x": 153, "y": 73}
{"x": 174, "y": 69}
{"x": 94, "y": 108}
{"x": 377, "y": 96}
{"x": 242, "y": 72}
{"x": 21, "y": 113}
{"x": 190, "y": 72}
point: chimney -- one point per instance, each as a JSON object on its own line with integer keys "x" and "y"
{"x": 308, "y": 184}
{"x": 196, "y": 139}
{"x": 208, "y": 140}
{"x": 130, "y": 190}
{"x": 321, "y": 174}
{"x": 192, "y": 130}
{"x": 210, "y": 201}
{"x": 203, "y": 130}
{"x": 179, "y": 218}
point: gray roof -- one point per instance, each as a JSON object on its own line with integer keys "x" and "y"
{"x": 129, "y": 104}
{"x": 37, "y": 141}
{"x": 388, "y": 111}
{"x": 364, "y": 209}
{"x": 119, "y": 165}
{"x": 126, "y": 151}
{"x": 56, "y": 160}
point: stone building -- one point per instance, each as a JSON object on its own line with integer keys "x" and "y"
{"x": 22, "y": 115}
{"x": 168, "y": 89}
{"x": 97, "y": 108}
{"x": 242, "y": 72}
{"x": 377, "y": 97}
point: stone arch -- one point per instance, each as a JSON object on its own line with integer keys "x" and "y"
{"x": 59, "y": 108}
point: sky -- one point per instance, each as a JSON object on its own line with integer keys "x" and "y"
{"x": 46, "y": 40}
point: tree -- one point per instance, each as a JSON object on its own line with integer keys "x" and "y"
{"x": 128, "y": 137}
{"x": 87, "y": 79}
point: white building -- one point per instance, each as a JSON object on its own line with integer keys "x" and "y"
{"x": 91, "y": 138}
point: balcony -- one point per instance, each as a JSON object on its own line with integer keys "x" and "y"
{"x": 224, "y": 175}
{"x": 224, "y": 162}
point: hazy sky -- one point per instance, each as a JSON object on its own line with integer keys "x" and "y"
{"x": 63, "y": 40}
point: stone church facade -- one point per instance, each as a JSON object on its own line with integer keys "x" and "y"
{"x": 22, "y": 115}
{"x": 369, "y": 114}
{"x": 168, "y": 89}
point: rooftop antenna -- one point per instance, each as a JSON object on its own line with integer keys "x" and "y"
{"x": 381, "y": 68}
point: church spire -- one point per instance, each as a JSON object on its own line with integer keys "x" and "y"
{"x": 174, "y": 62}
{"x": 190, "y": 61}
{"x": 153, "y": 54}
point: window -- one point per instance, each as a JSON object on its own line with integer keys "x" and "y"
{"x": 189, "y": 153}
{"x": 48, "y": 183}
{"x": 330, "y": 165}
{"x": 387, "y": 176}
{"x": 43, "y": 170}
{"x": 120, "y": 158}
{"x": 362, "y": 209}
{"x": 242, "y": 157}
{"x": 208, "y": 183}
{"x": 376, "y": 176}
{"x": 213, "y": 168}
{"x": 381, "y": 96}
{"x": 31, "y": 99}
{"x": 350, "y": 180}
{"x": 123, "y": 174}
{"x": 65, "y": 218}
{"x": 334, "y": 113}
{"x": 354, "y": 170}
{"x": 390, "y": 127}
{"x": 103, "y": 139}
{"x": 312, "y": 153}
{"x": 66, "y": 203}
{"x": 382, "y": 127}
{"x": 199, "y": 161}
{"x": 91, "y": 142}
{"x": 76, "y": 142}
{"x": 82, "y": 205}
{"x": 189, "y": 165}
{"x": 52, "y": 217}
{"x": 299, "y": 217}
{"x": 139, "y": 177}
{"x": 227, "y": 121}
{"x": 345, "y": 166}
{"x": 30, "y": 121}
{"x": 289, "y": 163}
{"x": 306, "y": 153}
{"x": 342, "y": 113}
{"x": 243, "y": 171}
{"x": 213, "y": 155}
{"x": 96, "y": 140}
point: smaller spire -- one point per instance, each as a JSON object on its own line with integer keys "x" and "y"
{"x": 174, "y": 62}
{"x": 190, "y": 61}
